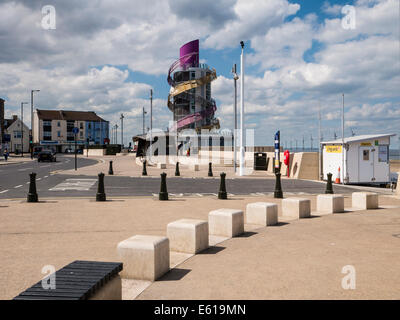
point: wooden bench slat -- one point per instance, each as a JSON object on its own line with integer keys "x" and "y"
{"x": 77, "y": 280}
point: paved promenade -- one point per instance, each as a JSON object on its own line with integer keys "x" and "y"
{"x": 297, "y": 259}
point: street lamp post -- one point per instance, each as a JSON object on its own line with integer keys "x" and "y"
{"x": 122, "y": 130}
{"x": 22, "y": 128}
{"x": 242, "y": 147}
{"x": 343, "y": 139}
{"x": 235, "y": 78}
{"x": 31, "y": 138}
{"x": 151, "y": 121}
{"x": 144, "y": 112}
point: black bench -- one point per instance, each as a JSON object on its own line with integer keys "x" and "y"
{"x": 79, "y": 280}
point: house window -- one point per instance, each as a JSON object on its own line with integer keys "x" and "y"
{"x": 58, "y": 124}
{"x": 59, "y": 134}
{"x": 81, "y": 125}
{"x": 17, "y": 134}
{"x": 90, "y": 126}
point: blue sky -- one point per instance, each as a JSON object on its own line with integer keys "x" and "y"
{"x": 299, "y": 59}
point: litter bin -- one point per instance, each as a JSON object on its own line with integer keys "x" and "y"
{"x": 260, "y": 161}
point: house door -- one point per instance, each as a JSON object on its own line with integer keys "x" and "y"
{"x": 366, "y": 164}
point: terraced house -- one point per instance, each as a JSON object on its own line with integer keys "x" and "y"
{"x": 55, "y": 128}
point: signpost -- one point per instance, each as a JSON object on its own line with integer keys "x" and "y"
{"x": 75, "y": 131}
{"x": 277, "y": 150}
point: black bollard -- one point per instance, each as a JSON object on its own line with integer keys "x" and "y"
{"x": 110, "y": 170}
{"x": 278, "y": 188}
{"x": 222, "y": 188}
{"x": 163, "y": 195}
{"x": 210, "y": 173}
{"x": 101, "y": 195}
{"x": 32, "y": 194}
{"x": 329, "y": 187}
{"x": 177, "y": 173}
{"x": 144, "y": 172}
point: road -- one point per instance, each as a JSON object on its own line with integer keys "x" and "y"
{"x": 14, "y": 183}
{"x": 14, "y": 178}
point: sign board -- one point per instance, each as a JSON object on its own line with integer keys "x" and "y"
{"x": 365, "y": 144}
{"x": 333, "y": 149}
{"x": 75, "y": 130}
{"x": 277, "y": 149}
{"x": 383, "y": 153}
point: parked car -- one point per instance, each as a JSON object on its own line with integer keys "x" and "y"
{"x": 46, "y": 156}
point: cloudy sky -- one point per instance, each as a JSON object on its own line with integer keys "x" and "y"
{"x": 301, "y": 55}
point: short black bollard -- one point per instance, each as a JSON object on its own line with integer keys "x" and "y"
{"x": 278, "y": 187}
{"x": 101, "y": 195}
{"x": 110, "y": 170}
{"x": 32, "y": 194}
{"x": 329, "y": 187}
{"x": 163, "y": 195}
{"x": 222, "y": 188}
{"x": 144, "y": 171}
{"x": 177, "y": 173}
{"x": 210, "y": 173}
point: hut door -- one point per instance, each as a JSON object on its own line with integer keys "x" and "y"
{"x": 366, "y": 164}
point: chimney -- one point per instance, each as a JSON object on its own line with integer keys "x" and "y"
{"x": 15, "y": 117}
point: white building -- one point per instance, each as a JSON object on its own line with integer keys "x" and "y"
{"x": 18, "y": 133}
{"x": 363, "y": 159}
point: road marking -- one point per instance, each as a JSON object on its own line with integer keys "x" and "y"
{"x": 3, "y": 191}
{"x": 74, "y": 184}
{"x": 45, "y": 177}
{"x": 38, "y": 179}
{"x": 18, "y": 186}
{"x": 23, "y": 169}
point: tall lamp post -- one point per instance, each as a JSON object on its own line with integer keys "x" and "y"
{"x": 151, "y": 121}
{"x": 144, "y": 113}
{"x": 343, "y": 139}
{"x": 235, "y": 78}
{"x": 242, "y": 148}
{"x": 122, "y": 130}
{"x": 31, "y": 138}
{"x": 22, "y": 128}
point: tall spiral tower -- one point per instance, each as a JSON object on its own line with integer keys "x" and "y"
{"x": 190, "y": 95}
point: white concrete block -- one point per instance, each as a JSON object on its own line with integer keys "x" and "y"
{"x": 296, "y": 208}
{"x": 226, "y": 222}
{"x": 161, "y": 165}
{"x": 330, "y": 203}
{"x": 188, "y": 235}
{"x": 365, "y": 200}
{"x": 144, "y": 257}
{"x": 262, "y": 213}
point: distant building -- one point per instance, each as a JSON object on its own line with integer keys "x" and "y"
{"x": 1, "y": 120}
{"x": 18, "y": 135}
{"x": 55, "y": 128}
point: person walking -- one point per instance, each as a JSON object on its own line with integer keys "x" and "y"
{"x": 6, "y": 154}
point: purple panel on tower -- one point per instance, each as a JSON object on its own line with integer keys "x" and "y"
{"x": 191, "y": 51}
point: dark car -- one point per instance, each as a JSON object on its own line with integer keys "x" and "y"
{"x": 46, "y": 156}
